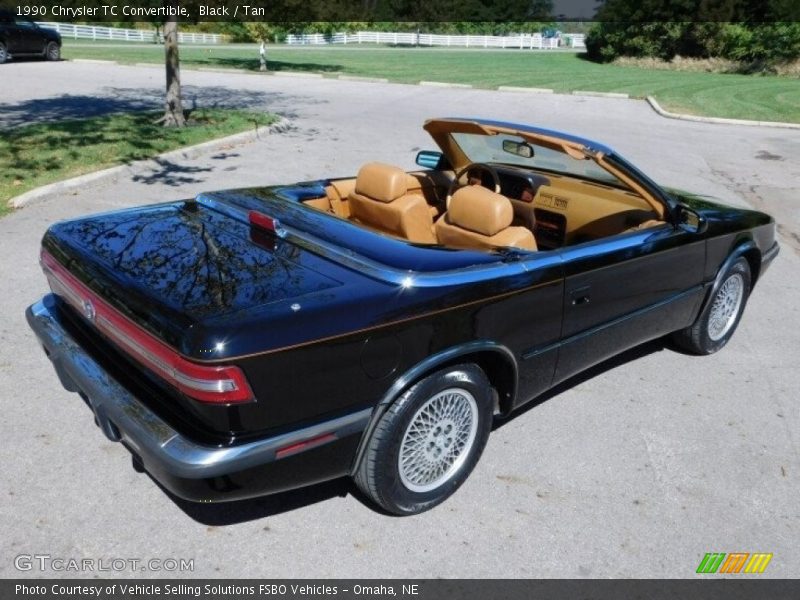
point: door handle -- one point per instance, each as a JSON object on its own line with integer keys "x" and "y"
{"x": 580, "y": 296}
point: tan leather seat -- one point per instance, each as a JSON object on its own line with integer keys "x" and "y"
{"x": 480, "y": 219}
{"x": 380, "y": 200}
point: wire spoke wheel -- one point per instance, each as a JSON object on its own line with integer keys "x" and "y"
{"x": 438, "y": 440}
{"x": 53, "y": 52}
{"x": 725, "y": 307}
{"x": 428, "y": 441}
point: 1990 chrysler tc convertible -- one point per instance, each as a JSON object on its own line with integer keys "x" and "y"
{"x": 250, "y": 341}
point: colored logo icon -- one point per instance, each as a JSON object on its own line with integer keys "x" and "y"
{"x": 733, "y": 563}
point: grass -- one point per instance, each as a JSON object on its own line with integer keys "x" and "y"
{"x": 42, "y": 153}
{"x": 760, "y": 97}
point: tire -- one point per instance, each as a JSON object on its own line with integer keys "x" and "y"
{"x": 3, "y": 53}
{"x": 52, "y": 51}
{"x": 718, "y": 320}
{"x": 414, "y": 427}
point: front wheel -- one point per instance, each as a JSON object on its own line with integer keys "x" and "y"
{"x": 52, "y": 51}
{"x": 427, "y": 443}
{"x": 718, "y": 320}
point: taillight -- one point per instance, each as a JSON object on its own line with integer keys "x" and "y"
{"x": 265, "y": 222}
{"x": 215, "y": 384}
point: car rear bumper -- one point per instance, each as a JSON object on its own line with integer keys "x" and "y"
{"x": 188, "y": 469}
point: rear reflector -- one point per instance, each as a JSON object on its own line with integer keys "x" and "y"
{"x": 304, "y": 445}
{"x": 205, "y": 383}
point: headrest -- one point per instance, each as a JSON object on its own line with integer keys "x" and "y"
{"x": 477, "y": 209}
{"x": 381, "y": 182}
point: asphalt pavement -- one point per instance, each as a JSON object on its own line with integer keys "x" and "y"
{"x": 636, "y": 469}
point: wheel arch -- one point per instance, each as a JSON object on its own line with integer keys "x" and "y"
{"x": 746, "y": 249}
{"x": 496, "y": 361}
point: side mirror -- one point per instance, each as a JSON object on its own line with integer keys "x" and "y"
{"x": 691, "y": 221}
{"x": 429, "y": 159}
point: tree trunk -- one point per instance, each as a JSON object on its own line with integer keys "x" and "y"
{"x": 173, "y": 106}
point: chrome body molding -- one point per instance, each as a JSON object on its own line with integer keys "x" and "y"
{"x": 122, "y": 417}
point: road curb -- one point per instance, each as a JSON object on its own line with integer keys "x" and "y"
{"x": 600, "y": 94}
{"x": 296, "y": 74}
{"x": 443, "y": 84}
{"x": 718, "y": 120}
{"x": 360, "y": 78}
{"x": 218, "y": 70}
{"x": 527, "y": 90}
{"x": 33, "y": 195}
{"x": 95, "y": 61}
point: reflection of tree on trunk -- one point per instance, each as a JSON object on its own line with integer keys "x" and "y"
{"x": 173, "y": 105}
{"x": 197, "y": 263}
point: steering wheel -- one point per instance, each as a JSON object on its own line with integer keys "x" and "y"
{"x": 476, "y": 166}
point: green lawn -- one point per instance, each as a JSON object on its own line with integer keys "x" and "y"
{"x": 35, "y": 155}
{"x": 768, "y": 98}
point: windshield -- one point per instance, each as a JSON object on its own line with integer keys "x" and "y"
{"x": 489, "y": 148}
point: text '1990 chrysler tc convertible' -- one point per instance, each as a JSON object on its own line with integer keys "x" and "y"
{"x": 251, "y": 341}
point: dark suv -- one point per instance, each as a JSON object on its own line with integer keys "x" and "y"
{"x": 19, "y": 36}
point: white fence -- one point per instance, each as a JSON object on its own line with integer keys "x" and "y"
{"x": 91, "y": 32}
{"x": 574, "y": 40}
{"x": 523, "y": 41}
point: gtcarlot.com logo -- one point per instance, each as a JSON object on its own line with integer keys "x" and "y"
{"x": 47, "y": 562}
{"x": 734, "y": 563}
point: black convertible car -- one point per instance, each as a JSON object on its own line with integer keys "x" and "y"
{"x": 250, "y": 341}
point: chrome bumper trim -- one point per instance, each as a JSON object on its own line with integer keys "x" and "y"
{"x": 124, "y": 418}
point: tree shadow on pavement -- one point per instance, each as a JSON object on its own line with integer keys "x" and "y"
{"x": 124, "y": 100}
{"x": 254, "y": 64}
{"x": 171, "y": 173}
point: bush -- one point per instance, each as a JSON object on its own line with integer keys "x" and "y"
{"x": 765, "y": 43}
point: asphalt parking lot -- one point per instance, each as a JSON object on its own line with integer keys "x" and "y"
{"x": 635, "y": 470}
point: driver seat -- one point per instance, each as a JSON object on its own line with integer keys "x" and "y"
{"x": 480, "y": 219}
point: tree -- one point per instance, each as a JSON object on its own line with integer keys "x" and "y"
{"x": 754, "y": 31}
{"x": 173, "y": 104}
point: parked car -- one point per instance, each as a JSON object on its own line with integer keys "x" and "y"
{"x": 19, "y": 36}
{"x": 250, "y": 341}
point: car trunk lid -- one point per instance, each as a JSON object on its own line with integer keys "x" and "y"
{"x": 171, "y": 268}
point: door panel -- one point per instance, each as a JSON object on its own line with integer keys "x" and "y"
{"x": 28, "y": 37}
{"x": 645, "y": 283}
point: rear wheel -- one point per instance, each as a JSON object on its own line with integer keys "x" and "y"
{"x": 52, "y": 51}
{"x": 718, "y": 320}
{"x": 428, "y": 441}
{"x": 3, "y": 53}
